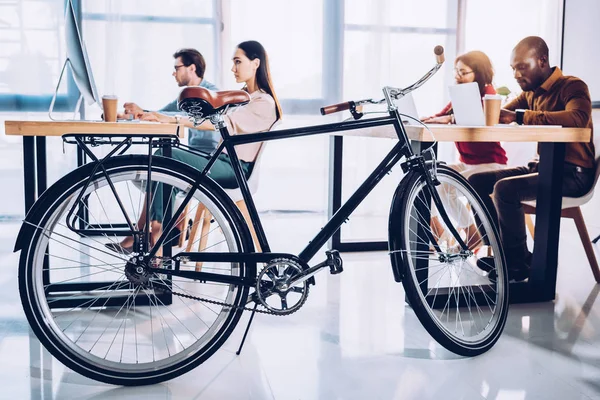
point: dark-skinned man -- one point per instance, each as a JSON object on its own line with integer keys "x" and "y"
{"x": 548, "y": 98}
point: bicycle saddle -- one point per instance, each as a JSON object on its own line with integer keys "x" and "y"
{"x": 201, "y": 103}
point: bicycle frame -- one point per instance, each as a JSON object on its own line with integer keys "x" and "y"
{"x": 400, "y": 150}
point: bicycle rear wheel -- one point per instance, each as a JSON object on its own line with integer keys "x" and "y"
{"x": 460, "y": 297}
{"x": 101, "y": 320}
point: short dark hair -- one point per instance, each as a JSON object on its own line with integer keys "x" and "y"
{"x": 536, "y": 43}
{"x": 192, "y": 56}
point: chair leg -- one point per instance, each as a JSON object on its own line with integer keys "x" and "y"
{"x": 242, "y": 206}
{"x": 203, "y": 236}
{"x": 195, "y": 223}
{"x": 587, "y": 244}
{"x": 182, "y": 226}
{"x": 530, "y": 225}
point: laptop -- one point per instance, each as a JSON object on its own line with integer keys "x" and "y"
{"x": 406, "y": 105}
{"x": 466, "y": 103}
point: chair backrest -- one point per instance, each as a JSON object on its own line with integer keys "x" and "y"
{"x": 596, "y": 140}
{"x": 254, "y": 178}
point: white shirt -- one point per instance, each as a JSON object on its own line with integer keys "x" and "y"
{"x": 257, "y": 116}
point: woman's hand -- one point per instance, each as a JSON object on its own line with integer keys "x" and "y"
{"x": 444, "y": 119}
{"x": 157, "y": 117}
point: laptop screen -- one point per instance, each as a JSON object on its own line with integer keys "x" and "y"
{"x": 466, "y": 103}
{"x": 406, "y": 105}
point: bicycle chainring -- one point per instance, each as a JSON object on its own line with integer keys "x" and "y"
{"x": 273, "y": 289}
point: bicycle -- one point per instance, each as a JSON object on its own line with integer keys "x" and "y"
{"x": 139, "y": 318}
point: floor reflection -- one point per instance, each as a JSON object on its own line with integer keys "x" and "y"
{"x": 354, "y": 339}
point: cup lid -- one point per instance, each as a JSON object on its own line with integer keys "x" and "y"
{"x": 492, "y": 97}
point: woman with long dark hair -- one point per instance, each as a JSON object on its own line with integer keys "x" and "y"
{"x": 251, "y": 67}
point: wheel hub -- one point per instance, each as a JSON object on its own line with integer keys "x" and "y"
{"x": 136, "y": 271}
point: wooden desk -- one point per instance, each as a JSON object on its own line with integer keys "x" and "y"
{"x": 34, "y": 144}
{"x": 59, "y": 128}
{"x": 34, "y": 166}
{"x": 541, "y": 285}
{"x": 498, "y": 133}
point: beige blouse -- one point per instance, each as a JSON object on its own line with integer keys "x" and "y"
{"x": 257, "y": 116}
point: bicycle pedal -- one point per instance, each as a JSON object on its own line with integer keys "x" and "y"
{"x": 334, "y": 261}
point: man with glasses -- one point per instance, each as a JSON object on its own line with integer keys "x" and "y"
{"x": 189, "y": 70}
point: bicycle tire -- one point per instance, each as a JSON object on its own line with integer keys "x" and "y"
{"x": 45, "y": 324}
{"x": 407, "y": 258}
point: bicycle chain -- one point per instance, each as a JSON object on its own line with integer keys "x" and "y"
{"x": 221, "y": 303}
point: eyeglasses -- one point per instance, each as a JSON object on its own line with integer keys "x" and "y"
{"x": 179, "y": 66}
{"x": 462, "y": 72}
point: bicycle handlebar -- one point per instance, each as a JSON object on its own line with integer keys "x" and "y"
{"x": 335, "y": 108}
{"x": 395, "y": 93}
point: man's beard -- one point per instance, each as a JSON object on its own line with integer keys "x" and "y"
{"x": 183, "y": 82}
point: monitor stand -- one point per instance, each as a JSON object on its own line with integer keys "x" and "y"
{"x": 79, "y": 100}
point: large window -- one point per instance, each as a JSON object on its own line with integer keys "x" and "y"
{"x": 321, "y": 51}
{"x": 496, "y": 27}
{"x": 390, "y": 42}
{"x": 131, "y": 43}
{"x": 32, "y": 53}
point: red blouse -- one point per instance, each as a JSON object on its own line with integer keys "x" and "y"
{"x": 473, "y": 153}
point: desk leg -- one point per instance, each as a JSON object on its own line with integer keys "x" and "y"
{"x": 29, "y": 176}
{"x": 542, "y": 280}
{"x": 42, "y": 185}
{"x": 83, "y": 217}
{"x": 335, "y": 201}
{"x": 40, "y": 157}
{"x": 336, "y": 147}
{"x": 167, "y": 298}
{"x": 547, "y": 221}
{"x": 167, "y": 206}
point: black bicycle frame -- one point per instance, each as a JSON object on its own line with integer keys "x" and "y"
{"x": 401, "y": 149}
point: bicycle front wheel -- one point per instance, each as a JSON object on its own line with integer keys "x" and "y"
{"x": 91, "y": 309}
{"x": 460, "y": 296}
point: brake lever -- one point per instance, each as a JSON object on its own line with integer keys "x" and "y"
{"x": 355, "y": 113}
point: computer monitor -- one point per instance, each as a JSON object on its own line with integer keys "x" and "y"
{"x": 78, "y": 60}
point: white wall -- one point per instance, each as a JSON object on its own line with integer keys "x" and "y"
{"x": 581, "y": 48}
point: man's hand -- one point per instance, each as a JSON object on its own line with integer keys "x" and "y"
{"x": 156, "y": 117}
{"x": 126, "y": 116}
{"x": 507, "y": 116}
{"x": 132, "y": 108}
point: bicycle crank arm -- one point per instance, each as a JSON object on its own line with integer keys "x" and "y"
{"x": 333, "y": 261}
{"x": 309, "y": 273}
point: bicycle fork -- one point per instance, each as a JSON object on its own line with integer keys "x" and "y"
{"x": 419, "y": 164}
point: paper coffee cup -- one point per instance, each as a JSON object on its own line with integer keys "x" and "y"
{"x": 109, "y": 105}
{"x": 491, "y": 108}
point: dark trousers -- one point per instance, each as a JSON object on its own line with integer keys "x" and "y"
{"x": 503, "y": 191}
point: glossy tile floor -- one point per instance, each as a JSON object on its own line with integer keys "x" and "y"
{"x": 354, "y": 339}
